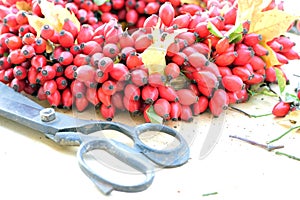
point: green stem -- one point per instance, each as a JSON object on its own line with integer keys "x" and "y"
{"x": 250, "y": 115}
{"x": 287, "y": 155}
{"x": 208, "y": 194}
{"x": 285, "y": 133}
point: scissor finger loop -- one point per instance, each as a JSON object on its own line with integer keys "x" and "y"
{"x": 125, "y": 154}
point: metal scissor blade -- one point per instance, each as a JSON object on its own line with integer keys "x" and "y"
{"x": 19, "y": 108}
{"x": 213, "y": 135}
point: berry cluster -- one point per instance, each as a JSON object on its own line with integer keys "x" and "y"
{"x": 100, "y": 64}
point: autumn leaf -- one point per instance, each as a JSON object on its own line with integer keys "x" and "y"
{"x": 270, "y": 24}
{"x": 154, "y": 57}
{"x": 196, "y": 2}
{"x": 291, "y": 120}
{"x": 37, "y": 23}
{"x": 53, "y": 16}
{"x": 270, "y": 59}
{"x": 23, "y": 5}
{"x": 248, "y": 8}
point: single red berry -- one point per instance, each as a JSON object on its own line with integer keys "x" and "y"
{"x": 47, "y": 32}
{"x": 281, "y": 109}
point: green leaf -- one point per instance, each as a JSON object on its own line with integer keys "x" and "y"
{"x": 235, "y": 37}
{"x": 280, "y": 79}
{"x": 261, "y": 88}
{"x": 154, "y": 118}
{"x": 214, "y": 30}
{"x": 100, "y": 2}
{"x": 290, "y": 97}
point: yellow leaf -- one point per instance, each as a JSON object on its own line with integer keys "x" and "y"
{"x": 37, "y": 23}
{"x": 196, "y": 2}
{"x": 271, "y": 59}
{"x": 54, "y": 16}
{"x": 247, "y": 9}
{"x": 291, "y": 120}
{"x": 23, "y": 5}
{"x": 154, "y": 56}
{"x": 271, "y": 23}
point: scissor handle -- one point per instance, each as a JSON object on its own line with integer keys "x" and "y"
{"x": 167, "y": 157}
{"x": 125, "y": 154}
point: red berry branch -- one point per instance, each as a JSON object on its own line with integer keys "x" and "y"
{"x": 80, "y": 53}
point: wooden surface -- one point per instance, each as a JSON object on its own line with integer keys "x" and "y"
{"x": 33, "y": 167}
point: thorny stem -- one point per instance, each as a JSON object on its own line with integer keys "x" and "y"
{"x": 266, "y": 147}
{"x": 285, "y": 133}
{"x": 287, "y": 155}
{"x": 249, "y": 115}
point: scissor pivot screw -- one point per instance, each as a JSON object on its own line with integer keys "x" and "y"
{"x": 47, "y": 114}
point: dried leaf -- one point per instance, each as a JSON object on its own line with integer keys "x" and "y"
{"x": 53, "y": 15}
{"x": 271, "y": 23}
{"x": 37, "y": 23}
{"x": 23, "y": 5}
{"x": 196, "y": 2}
{"x": 270, "y": 59}
{"x": 247, "y": 9}
{"x": 154, "y": 56}
{"x": 291, "y": 120}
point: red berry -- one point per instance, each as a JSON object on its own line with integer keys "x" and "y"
{"x": 200, "y": 106}
{"x": 139, "y": 77}
{"x": 175, "y": 111}
{"x": 65, "y": 58}
{"x": 14, "y": 42}
{"x": 81, "y": 103}
{"x": 109, "y": 87}
{"x": 232, "y": 83}
{"x": 54, "y": 99}
{"x": 104, "y": 98}
{"x": 107, "y": 112}
{"x": 47, "y": 32}
{"x": 186, "y": 97}
{"x": 281, "y": 109}
{"x": 149, "y": 94}
{"x": 162, "y": 108}
{"x": 132, "y": 92}
{"x": 168, "y": 93}
{"x": 166, "y": 13}
{"x": 65, "y": 39}
{"x": 20, "y": 72}
{"x": 85, "y": 73}
{"x": 186, "y": 113}
{"x": 67, "y": 98}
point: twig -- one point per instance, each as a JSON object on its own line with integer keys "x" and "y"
{"x": 266, "y": 147}
{"x": 249, "y": 115}
{"x": 296, "y": 75}
{"x": 287, "y": 155}
{"x": 285, "y": 133}
{"x": 208, "y": 194}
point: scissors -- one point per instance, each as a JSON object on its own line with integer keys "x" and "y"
{"x": 61, "y": 129}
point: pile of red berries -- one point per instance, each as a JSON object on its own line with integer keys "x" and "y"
{"x": 101, "y": 63}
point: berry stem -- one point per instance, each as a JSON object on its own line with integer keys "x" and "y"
{"x": 287, "y": 155}
{"x": 285, "y": 133}
{"x": 250, "y": 115}
{"x": 208, "y": 194}
{"x": 266, "y": 147}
